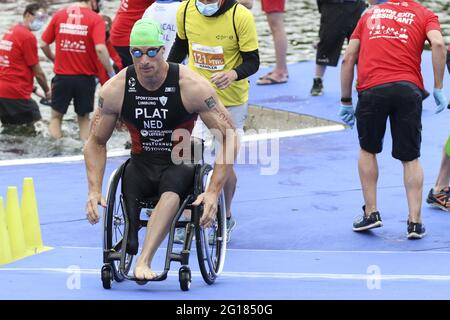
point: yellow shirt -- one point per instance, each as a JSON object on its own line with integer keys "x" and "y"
{"x": 213, "y": 46}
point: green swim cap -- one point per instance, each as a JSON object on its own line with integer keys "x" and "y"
{"x": 146, "y": 33}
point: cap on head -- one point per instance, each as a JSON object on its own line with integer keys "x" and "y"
{"x": 146, "y": 33}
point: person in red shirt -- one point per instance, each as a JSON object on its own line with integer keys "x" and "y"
{"x": 79, "y": 36}
{"x": 128, "y": 13}
{"x": 387, "y": 44}
{"x": 102, "y": 74}
{"x": 274, "y": 10}
{"x": 19, "y": 64}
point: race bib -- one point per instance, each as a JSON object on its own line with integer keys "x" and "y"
{"x": 208, "y": 58}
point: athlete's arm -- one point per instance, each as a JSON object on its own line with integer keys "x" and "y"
{"x": 438, "y": 53}
{"x": 348, "y": 67}
{"x": 102, "y": 126}
{"x": 200, "y": 97}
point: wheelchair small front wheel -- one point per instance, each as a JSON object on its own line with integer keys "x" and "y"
{"x": 184, "y": 275}
{"x": 107, "y": 276}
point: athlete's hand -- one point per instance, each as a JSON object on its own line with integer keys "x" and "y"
{"x": 441, "y": 99}
{"x": 223, "y": 80}
{"x": 94, "y": 199}
{"x": 209, "y": 201}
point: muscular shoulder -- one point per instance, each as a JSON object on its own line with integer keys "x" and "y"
{"x": 195, "y": 90}
{"x": 112, "y": 93}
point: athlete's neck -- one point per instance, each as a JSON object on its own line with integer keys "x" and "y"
{"x": 154, "y": 82}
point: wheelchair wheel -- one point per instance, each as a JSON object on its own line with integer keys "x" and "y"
{"x": 211, "y": 242}
{"x": 114, "y": 224}
{"x": 184, "y": 275}
{"x": 106, "y": 276}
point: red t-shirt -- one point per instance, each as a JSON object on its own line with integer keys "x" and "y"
{"x": 128, "y": 13}
{"x": 75, "y": 30}
{"x": 18, "y": 53}
{"x": 392, "y": 38}
{"x": 101, "y": 73}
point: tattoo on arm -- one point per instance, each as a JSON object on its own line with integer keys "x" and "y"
{"x": 210, "y": 102}
{"x": 100, "y": 102}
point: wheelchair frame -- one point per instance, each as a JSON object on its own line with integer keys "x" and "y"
{"x": 117, "y": 262}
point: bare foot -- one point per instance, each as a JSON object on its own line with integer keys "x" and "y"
{"x": 143, "y": 272}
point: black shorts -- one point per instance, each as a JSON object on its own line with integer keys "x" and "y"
{"x": 125, "y": 56}
{"x": 19, "y": 111}
{"x": 337, "y": 22}
{"x": 142, "y": 179}
{"x": 401, "y": 102}
{"x": 80, "y": 88}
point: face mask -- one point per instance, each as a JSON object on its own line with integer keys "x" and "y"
{"x": 207, "y": 9}
{"x": 36, "y": 25}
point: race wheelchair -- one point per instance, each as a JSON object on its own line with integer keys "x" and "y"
{"x": 210, "y": 242}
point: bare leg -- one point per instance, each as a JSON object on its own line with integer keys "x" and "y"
{"x": 157, "y": 229}
{"x": 320, "y": 70}
{"x": 55, "y": 125}
{"x": 368, "y": 174}
{"x": 228, "y": 189}
{"x": 443, "y": 179}
{"x": 276, "y": 24}
{"x": 83, "y": 123}
{"x": 413, "y": 180}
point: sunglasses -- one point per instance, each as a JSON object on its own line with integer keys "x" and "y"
{"x": 151, "y": 52}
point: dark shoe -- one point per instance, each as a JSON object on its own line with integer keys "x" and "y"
{"x": 317, "y": 88}
{"x": 364, "y": 222}
{"x": 440, "y": 200}
{"x": 416, "y": 230}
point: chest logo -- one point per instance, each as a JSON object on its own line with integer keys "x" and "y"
{"x": 163, "y": 100}
{"x": 132, "y": 82}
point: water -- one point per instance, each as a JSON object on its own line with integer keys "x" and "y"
{"x": 302, "y": 25}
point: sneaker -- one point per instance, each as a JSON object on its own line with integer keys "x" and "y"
{"x": 364, "y": 222}
{"x": 440, "y": 200}
{"x": 416, "y": 230}
{"x": 317, "y": 88}
{"x": 231, "y": 224}
{"x": 179, "y": 236}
